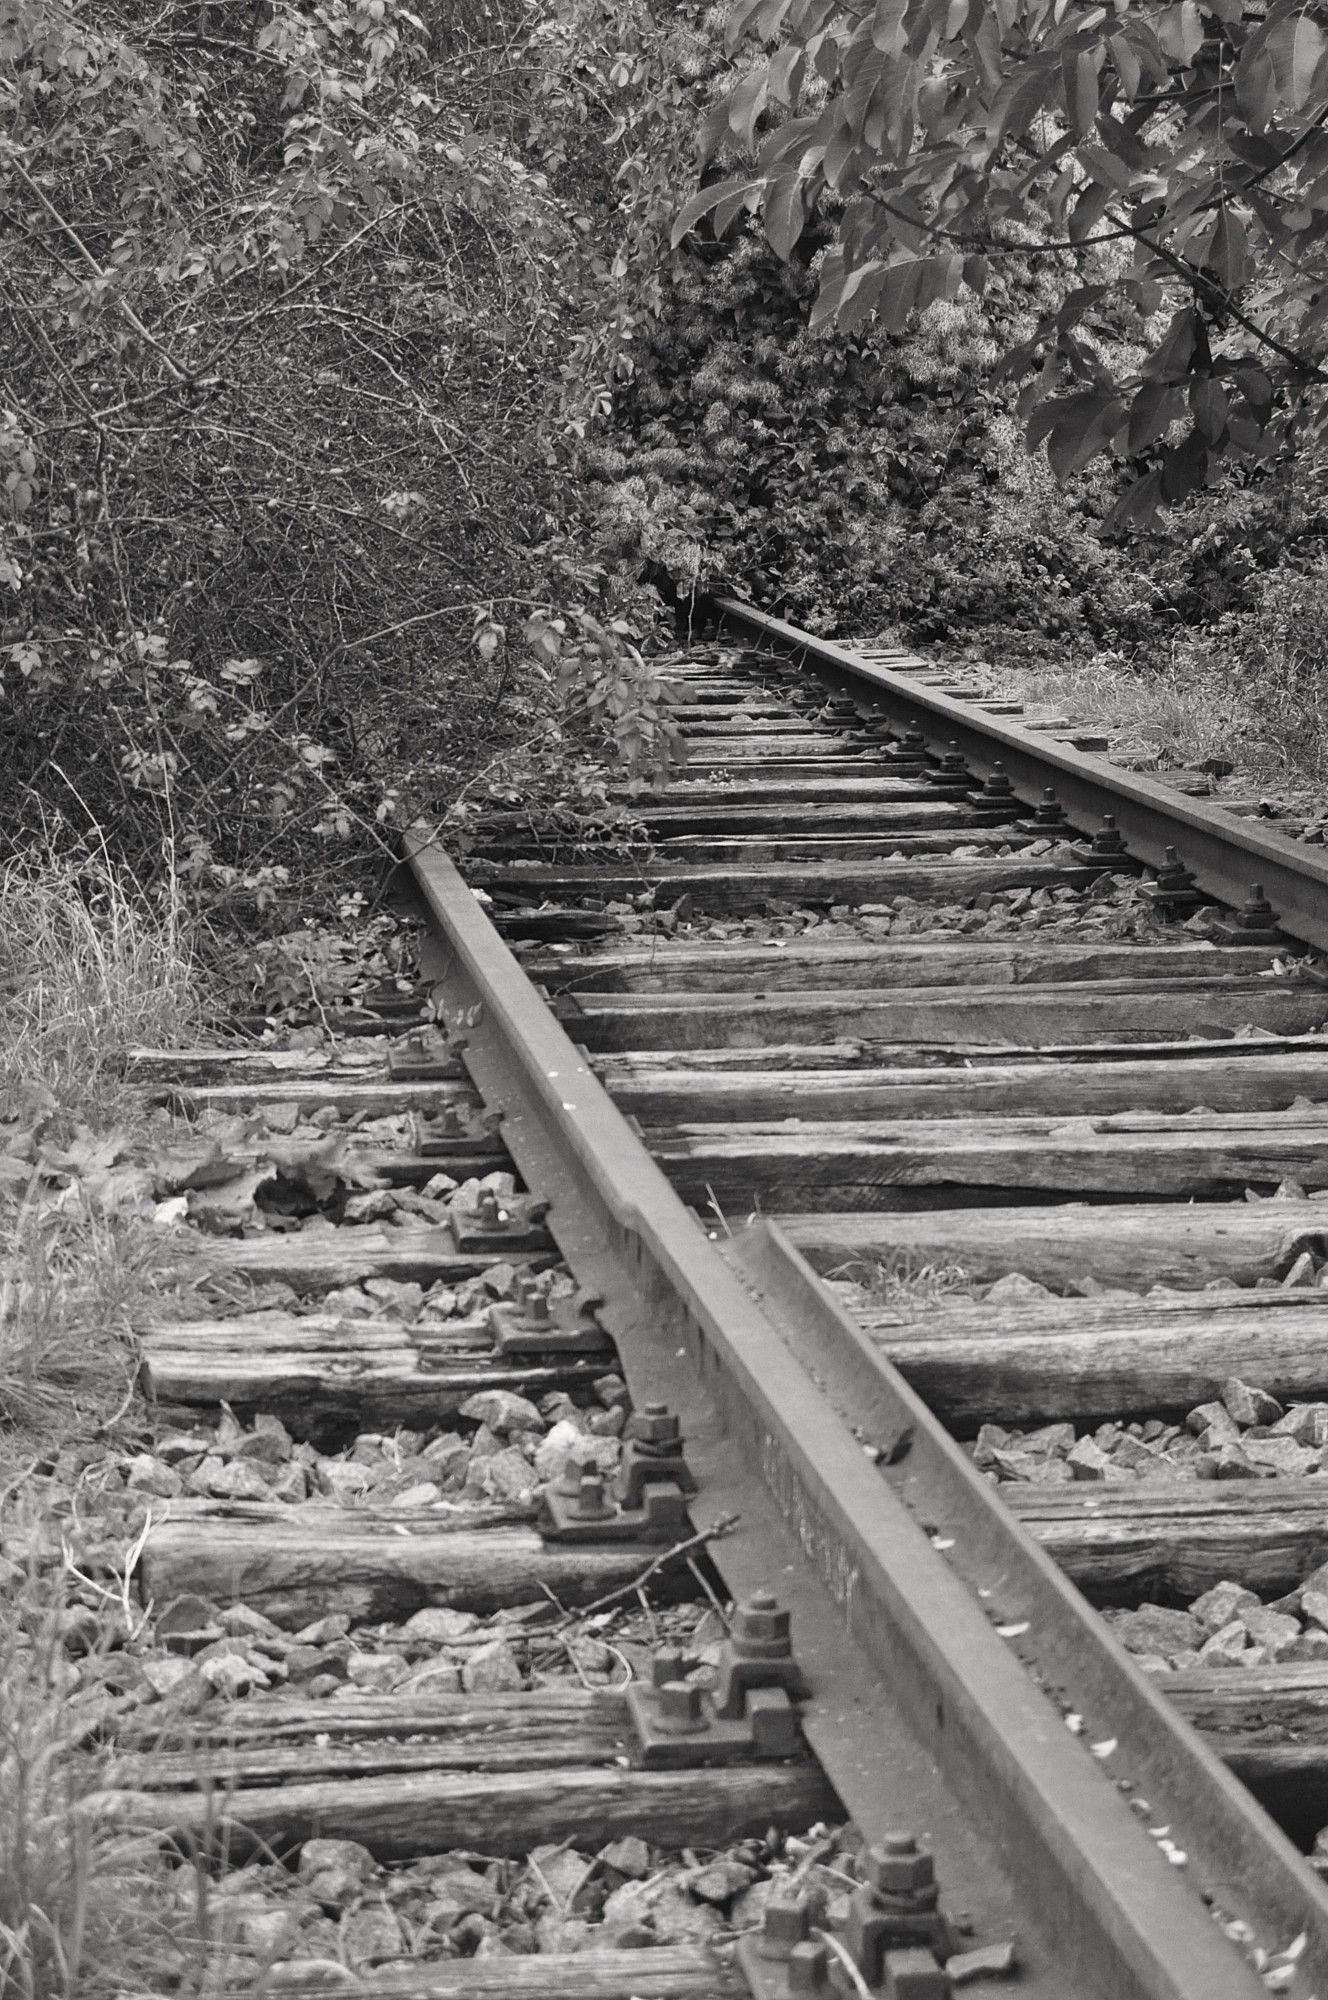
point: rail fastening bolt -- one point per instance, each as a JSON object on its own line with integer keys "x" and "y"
{"x": 590, "y": 1504}
{"x": 897, "y": 1866}
{"x": 655, "y": 1424}
{"x": 760, "y": 1628}
{"x": 680, "y": 1708}
{"x": 784, "y": 1923}
{"x": 666, "y": 1664}
{"x": 809, "y": 1967}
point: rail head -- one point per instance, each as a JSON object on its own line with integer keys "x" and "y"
{"x": 1125, "y": 1921}
{"x": 1226, "y": 856}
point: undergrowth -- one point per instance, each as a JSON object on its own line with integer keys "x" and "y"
{"x": 90, "y": 966}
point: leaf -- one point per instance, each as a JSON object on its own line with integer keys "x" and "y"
{"x": 1088, "y": 211}
{"x": 1296, "y": 47}
{"x": 1225, "y": 254}
{"x": 1155, "y": 408}
{"x": 709, "y": 199}
{"x": 1079, "y": 79}
{"x": 1137, "y": 506}
{"x": 1175, "y": 354}
{"x": 1209, "y": 404}
{"x": 888, "y": 26}
{"x": 1185, "y": 467}
{"x": 785, "y": 74}
{"x": 1256, "y": 86}
{"x": 1085, "y": 425}
{"x": 1018, "y": 102}
{"x": 1256, "y": 388}
{"x": 740, "y": 19}
{"x": 784, "y": 214}
{"x": 1128, "y": 67}
{"x": 225, "y": 1210}
{"x": 1180, "y": 31}
{"x": 746, "y": 103}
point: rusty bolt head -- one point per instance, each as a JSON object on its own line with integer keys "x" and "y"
{"x": 590, "y": 1502}
{"x": 758, "y": 1621}
{"x": 536, "y": 1308}
{"x": 487, "y": 1205}
{"x": 666, "y": 1664}
{"x": 897, "y": 1866}
{"x": 809, "y": 1967}
{"x": 680, "y": 1706}
{"x": 655, "y": 1424}
{"x": 784, "y": 1922}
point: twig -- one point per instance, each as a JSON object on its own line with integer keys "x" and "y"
{"x": 709, "y": 1589}
{"x": 851, "y": 1973}
{"x": 67, "y": 228}
{"x": 723, "y": 1526}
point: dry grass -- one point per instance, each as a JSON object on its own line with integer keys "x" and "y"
{"x": 1251, "y": 690}
{"x": 89, "y": 966}
{"x": 86, "y": 1910}
{"x": 900, "y": 1284}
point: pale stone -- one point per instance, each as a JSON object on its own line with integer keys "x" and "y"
{"x": 232, "y": 1479}
{"x": 440, "y": 1625}
{"x": 145, "y": 1474}
{"x": 334, "y": 1626}
{"x": 629, "y": 1856}
{"x": 314, "y": 1976}
{"x": 164, "y": 1675}
{"x": 1213, "y": 1422}
{"x": 1226, "y": 1648}
{"x": 1307, "y": 1423}
{"x": 1248, "y": 1405}
{"x": 1014, "y": 1288}
{"x": 491, "y": 1668}
{"x": 503, "y": 1411}
{"x": 1275, "y": 1631}
{"x": 508, "y": 1475}
{"x": 1155, "y": 1628}
{"x": 422, "y": 1494}
{"x": 316, "y": 1856}
{"x": 459, "y": 1893}
{"x": 371, "y": 1935}
{"x": 232, "y": 1674}
{"x": 1225, "y": 1601}
{"x": 376, "y": 1671}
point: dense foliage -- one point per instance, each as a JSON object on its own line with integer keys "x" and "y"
{"x": 302, "y": 317}
{"x": 1170, "y": 157}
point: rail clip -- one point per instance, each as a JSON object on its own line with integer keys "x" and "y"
{"x": 748, "y": 1713}
{"x": 647, "y": 1501}
{"x": 516, "y": 1223}
{"x": 536, "y": 1324}
{"x": 890, "y": 1926}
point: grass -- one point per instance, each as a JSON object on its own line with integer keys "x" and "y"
{"x": 1252, "y": 690}
{"x": 901, "y": 1284}
{"x": 89, "y": 967}
{"x": 87, "y": 1910}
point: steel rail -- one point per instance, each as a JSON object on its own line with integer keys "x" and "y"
{"x": 768, "y": 1368}
{"x": 1226, "y": 856}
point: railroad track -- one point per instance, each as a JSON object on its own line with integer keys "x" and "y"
{"x": 915, "y": 1298}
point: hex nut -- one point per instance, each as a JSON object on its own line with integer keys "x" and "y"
{"x": 666, "y": 1664}
{"x": 759, "y": 1621}
{"x": 897, "y": 1866}
{"x": 784, "y": 1922}
{"x": 655, "y": 1424}
{"x": 680, "y": 1706}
